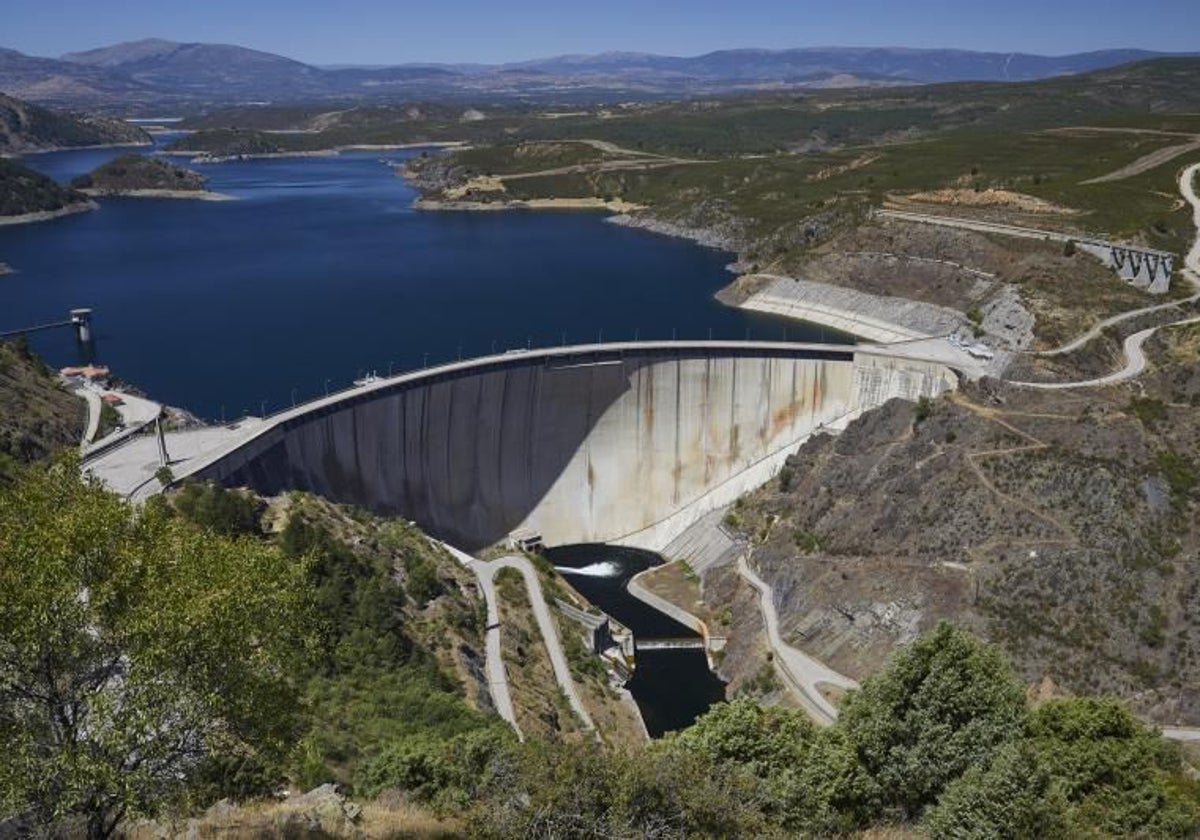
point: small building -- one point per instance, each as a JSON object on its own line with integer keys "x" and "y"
{"x": 93, "y": 372}
{"x": 526, "y": 540}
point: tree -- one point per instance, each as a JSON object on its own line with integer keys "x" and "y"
{"x": 943, "y": 705}
{"x": 133, "y": 648}
{"x": 1013, "y": 797}
{"x": 805, "y": 770}
{"x": 1119, "y": 777}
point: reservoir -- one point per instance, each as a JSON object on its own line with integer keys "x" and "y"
{"x": 322, "y": 271}
{"x": 672, "y": 687}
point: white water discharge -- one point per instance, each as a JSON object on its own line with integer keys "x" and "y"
{"x": 605, "y": 569}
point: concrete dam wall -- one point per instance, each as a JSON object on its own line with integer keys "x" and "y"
{"x": 614, "y": 443}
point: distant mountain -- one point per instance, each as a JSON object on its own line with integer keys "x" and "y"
{"x": 206, "y": 69}
{"x": 27, "y": 128}
{"x": 54, "y": 82}
{"x": 158, "y": 73}
{"x": 896, "y": 63}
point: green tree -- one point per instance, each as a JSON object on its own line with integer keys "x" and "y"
{"x": 1119, "y": 777}
{"x": 1014, "y": 797}
{"x": 805, "y": 770}
{"x": 225, "y": 511}
{"x": 134, "y": 647}
{"x": 943, "y": 705}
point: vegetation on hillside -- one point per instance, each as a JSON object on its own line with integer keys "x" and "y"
{"x": 212, "y": 646}
{"x": 139, "y": 172}
{"x": 24, "y": 191}
{"x": 25, "y": 127}
{"x": 232, "y": 142}
{"x": 37, "y": 417}
{"x": 1062, "y": 527}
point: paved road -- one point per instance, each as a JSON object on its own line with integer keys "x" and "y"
{"x": 93, "y": 406}
{"x": 1147, "y": 162}
{"x": 802, "y": 671}
{"x": 1135, "y": 357}
{"x": 486, "y": 571}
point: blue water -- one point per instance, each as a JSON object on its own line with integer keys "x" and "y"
{"x": 322, "y": 271}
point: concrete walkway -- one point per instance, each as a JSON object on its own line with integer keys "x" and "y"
{"x": 1135, "y": 357}
{"x": 802, "y": 672}
{"x": 486, "y": 571}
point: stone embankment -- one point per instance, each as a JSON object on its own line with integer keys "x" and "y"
{"x": 709, "y": 237}
{"x": 872, "y": 317}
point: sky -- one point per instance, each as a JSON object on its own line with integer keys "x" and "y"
{"x": 493, "y": 31}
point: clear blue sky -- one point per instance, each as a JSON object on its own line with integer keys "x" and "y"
{"x": 396, "y": 31}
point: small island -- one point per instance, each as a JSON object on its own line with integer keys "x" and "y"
{"x": 28, "y": 196}
{"x": 144, "y": 177}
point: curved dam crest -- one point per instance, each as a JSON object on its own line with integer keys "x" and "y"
{"x": 624, "y": 443}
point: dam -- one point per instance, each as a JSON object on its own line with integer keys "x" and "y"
{"x": 625, "y": 443}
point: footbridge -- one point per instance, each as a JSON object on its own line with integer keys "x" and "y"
{"x": 626, "y": 443}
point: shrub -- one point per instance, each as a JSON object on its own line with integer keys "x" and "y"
{"x": 942, "y": 706}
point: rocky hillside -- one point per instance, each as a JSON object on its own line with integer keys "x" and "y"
{"x": 37, "y": 417}
{"x": 28, "y": 128}
{"x": 138, "y": 173}
{"x": 1061, "y": 525}
{"x": 23, "y": 191}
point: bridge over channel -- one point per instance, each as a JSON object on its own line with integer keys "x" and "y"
{"x": 624, "y": 443}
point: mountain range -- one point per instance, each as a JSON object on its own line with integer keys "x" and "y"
{"x": 155, "y": 73}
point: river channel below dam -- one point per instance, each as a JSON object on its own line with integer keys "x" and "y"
{"x": 672, "y": 687}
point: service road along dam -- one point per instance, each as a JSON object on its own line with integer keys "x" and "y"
{"x": 619, "y": 443}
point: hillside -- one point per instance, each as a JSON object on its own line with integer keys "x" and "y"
{"x": 24, "y": 192}
{"x": 133, "y": 174}
{"x": 1062, "y": 526}
{"x": 28, "y": 128}
{"x": 231, "y": 142}
{"x": 37, "y": 417}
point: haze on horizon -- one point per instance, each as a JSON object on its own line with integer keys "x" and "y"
{"x": 468, "y": 31}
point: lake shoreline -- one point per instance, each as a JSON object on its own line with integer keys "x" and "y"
{"x": 193, "y": 195}
{"x": 49, "y": 215}
{"x": 19, "y": 153}
{"x": 617, "y": 206}
{"x": 200, "y": 156}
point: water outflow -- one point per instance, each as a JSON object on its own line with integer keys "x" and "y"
{"x": 606, "y": 570}
{"x": 672, "y": 687}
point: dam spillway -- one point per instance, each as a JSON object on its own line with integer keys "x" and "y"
{"x": 625, "y": 443}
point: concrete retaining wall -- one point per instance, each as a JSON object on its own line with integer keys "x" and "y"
{"x": 871, "y": 317}
{"x": 629, "y": 445}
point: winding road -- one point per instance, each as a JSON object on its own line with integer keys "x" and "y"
{"x": 1135, "y": 357}
{"x": 802, "y": 672}
{"x": 485, "y": 571}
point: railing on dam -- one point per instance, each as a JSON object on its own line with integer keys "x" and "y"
{"x": 585, "y": 443}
